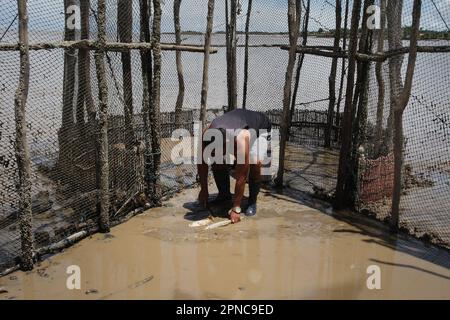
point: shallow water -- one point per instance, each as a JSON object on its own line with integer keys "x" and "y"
{"x": 289, "y": 251}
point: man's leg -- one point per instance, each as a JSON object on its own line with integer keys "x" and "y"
{"x": 222, "y": 179}
{"x": 254, "y": 184}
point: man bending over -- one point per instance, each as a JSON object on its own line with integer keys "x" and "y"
{"x": 247, "y": 133}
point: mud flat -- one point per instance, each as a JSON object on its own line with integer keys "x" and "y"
{"x": 289, "y": 251}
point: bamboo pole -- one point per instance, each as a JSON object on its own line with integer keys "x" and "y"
{"x": 103, "y": 119}
{"x": 293, "y": 17}
{"x": 205, "y": 81}
{"x": 400, "y": 104}
{"x": 179, "y": 63}
{"x": 247, "y": 40}
{"x": 124, "y": 28}
{"x": 22, "y": 148}
{"x": 381, "y": 84}
{"x": 147, "y": 76}
{"x": 341, "y": 198}
{"x": 332, "y": 77}
{"x": 155, "y": 103}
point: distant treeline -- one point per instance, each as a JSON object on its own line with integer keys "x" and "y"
{"x": 424, "y": 34}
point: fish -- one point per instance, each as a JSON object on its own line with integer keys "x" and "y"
{"x": 200, "y": 223}
{"x": 218, "y": 224}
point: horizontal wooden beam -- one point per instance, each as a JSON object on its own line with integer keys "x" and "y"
{"x": 109, "y": 46}
{"x": 376, "y": 57}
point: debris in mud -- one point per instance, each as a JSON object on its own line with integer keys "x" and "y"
{"x": 3, "y": 290}
{"x": 321, "y": 194}
{"x": 42, "y": 273}
{"x": 141, "y": 283}
{"x": 91, "y": 291}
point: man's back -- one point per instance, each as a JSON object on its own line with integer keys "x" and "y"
{"x": 242, "y": 119}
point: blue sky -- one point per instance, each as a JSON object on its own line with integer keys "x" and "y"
{"x": 268, "y": 15}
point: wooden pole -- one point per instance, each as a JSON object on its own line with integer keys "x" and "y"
{"x": 103, "y": 119}
{"x": 381, "y": 85}
{"x": 64, "y": 135}
{"x": 332, "y": 78}
{"x": 85, "y": 102}
{"x": 293, "y": 17}
{"x": 124, "y": 27}
{"x": 364, "y": 57}
{"x": 400, "y": 104}
{"x": 247, "y": 39}
{"x": 22, "y": 148}
{"x": 147, "y": 85}
{"x": 360, "y": 100}
{"x": 108, "y": 46}
{"x": 155, "y": 103}
{"x": 341, "y": 198}
{"x": 205, "y": 81}
{"x": 179, "y": 63}
{"x": 343, "y": 73}
{"x": 70, "y": 61}
{"x": 231, "y": 54}
{"x": 301, "y": 59}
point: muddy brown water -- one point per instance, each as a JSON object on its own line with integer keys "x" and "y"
{"x": 289, "y": 251}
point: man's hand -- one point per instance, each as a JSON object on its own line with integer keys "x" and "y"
{"x": 235, "y": 217}
{"x": 203, "y": 198}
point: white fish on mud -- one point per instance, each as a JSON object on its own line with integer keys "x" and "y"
{"x": 200, "y": 223}
{"x": 220, "y": 224}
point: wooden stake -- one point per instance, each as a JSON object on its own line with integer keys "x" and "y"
{"x": 155, "y": 103}
{"x": 103, "y": 119}
{"x": 124, "y": 28}
{"x": 341, "y": 199}
{"x": 147, "y": 85}
{"x": 247, "y": 38}
{"x": 400, "y": 104}
{"x": 22, "y": 148}
{"x": 332, "y": 78}
{"x": 293, "y": 17}
{"x": 381, "y": 85}
{"x": 179, "y": 63}
{"x": 205, "y": 81}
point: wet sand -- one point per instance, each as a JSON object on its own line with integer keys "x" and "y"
{"x": 289, "y": 251}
